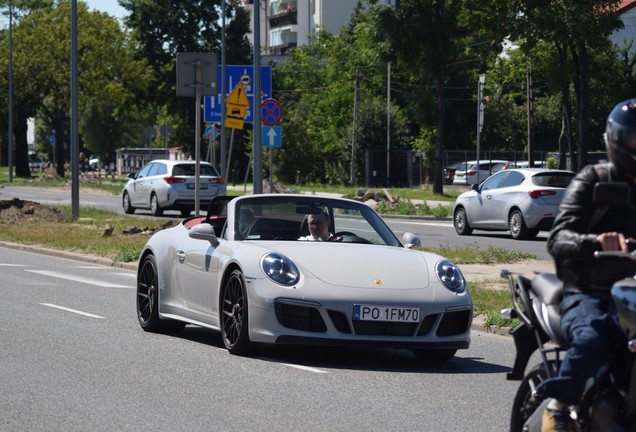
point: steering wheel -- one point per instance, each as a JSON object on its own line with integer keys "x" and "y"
{"x": 337, "y": 237}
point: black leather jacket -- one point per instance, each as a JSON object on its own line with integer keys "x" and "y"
{"x": 572, "y": 241}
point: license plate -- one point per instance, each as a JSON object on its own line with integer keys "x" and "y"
{"x": 363, "y": 312}
{"x": 191, "y": 185}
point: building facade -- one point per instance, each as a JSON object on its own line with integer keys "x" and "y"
{"x": 286, "y": 24}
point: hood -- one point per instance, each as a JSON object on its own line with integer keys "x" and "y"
{"x": 359, "y": 265}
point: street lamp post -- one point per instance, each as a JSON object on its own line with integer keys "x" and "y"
{"x": 10, "y": 143}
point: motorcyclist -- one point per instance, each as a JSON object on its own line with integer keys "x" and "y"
{"x": 581, "y": 228}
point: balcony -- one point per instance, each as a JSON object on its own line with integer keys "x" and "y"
{"x": 281, "y": 41}
{"x": 283, "y": 13}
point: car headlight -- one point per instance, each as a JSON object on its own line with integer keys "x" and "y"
{"x": 450, "y": 275}
{"x": 280, "y": 269}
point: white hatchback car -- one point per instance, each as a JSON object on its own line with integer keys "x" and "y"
{"x": 468, "y": 174}
{"x": 523, "y": 201}
{"x": 170, "y": 185}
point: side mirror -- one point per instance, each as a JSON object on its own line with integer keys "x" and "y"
{"x": 132, "y": 175}
{"x": 204, "y": 231}
{"x": 411, "y": 241}
{"x": 617, "y": 194}
{"x": 475, "y": 187}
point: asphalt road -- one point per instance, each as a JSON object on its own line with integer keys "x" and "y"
{"x": 74, "y": 358}
{"x": 432, "y": 232}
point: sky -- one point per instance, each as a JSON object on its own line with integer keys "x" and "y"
{"x": 109, "y": 6}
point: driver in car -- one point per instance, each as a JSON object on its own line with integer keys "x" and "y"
{"x": 318, "y": 227}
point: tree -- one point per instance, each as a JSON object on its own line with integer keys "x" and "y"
{"x": 23, "y": 103}
{"x": 575, "y": 29}
{"x": 109, "y": 77}
{"x": 164, "y": 28}
{"x": 425, "y": 37}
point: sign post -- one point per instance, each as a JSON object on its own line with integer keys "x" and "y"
{"x": 271, "y": 115}
{"x": 197, "y": 76}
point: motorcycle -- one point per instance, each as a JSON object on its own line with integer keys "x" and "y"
{"x": 609, "y": 401}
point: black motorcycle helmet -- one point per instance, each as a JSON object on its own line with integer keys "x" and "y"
{"x": 620, "y": 137}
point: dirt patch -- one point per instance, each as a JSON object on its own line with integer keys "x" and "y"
{"x": 19, "y": 211}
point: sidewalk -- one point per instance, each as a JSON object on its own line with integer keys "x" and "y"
{"x": 475, "y": 272}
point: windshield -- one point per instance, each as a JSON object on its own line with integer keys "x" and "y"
{"x": 286, "y": 218}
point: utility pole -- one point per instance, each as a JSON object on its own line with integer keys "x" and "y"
{"x": 530, "y": 115}
{"x": 256, "y": 109}
{"x": 10, "y": 144}
{"x": 356, "y": 104}
{"x": 75, "y": 207}
{"x": 388, "y": 123}
{"x": 480, "y": 116}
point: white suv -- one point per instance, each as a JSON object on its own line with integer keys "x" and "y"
{"x": 170, "y": 185}
{"x": 470, "y": 175}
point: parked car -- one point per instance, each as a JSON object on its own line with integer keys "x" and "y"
{"x": 470, "y": 174}
{"x": 243, "y": 270}
{"x": 449, "y": 171}
{"x": 170, "y": 185}
{"x": 525, "y": 164}
{"x": 523, "y": 201}
{"x": 94, "y": 162}
{"x": 36, "y": 163}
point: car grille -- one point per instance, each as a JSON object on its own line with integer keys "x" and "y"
{"x": 307, "y": 318}
{"x": 300, "y": 318}
{"x": 454, "y": 323}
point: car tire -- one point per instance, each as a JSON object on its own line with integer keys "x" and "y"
{"x": 434, "y": 356}
{"x": 518, "y": 228}
{"x": 234, "y": 315}
{"x": 155, "y": 209}
{"x": 148, "y": 300}
{"x": 125, "y": 202}
{"x": 460, "y": 221}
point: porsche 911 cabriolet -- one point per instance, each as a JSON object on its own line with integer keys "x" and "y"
{"x": 246, "y": 270}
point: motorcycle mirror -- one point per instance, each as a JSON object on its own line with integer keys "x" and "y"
{"x": 613, "y": 193}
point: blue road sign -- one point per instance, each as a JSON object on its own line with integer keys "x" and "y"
{"x": 212, "y": 105}
{"x": 271, "y": 112}
{"x": 272, "y": 136}
{"x": 52, "y": 139}
{"x": 211, "y": 130}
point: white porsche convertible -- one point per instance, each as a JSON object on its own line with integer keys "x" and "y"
{"x": 244, "y": 270}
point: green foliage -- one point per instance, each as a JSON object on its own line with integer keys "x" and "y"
{"x": 473, "y": 254}
{"x": 128, "y": 254}
{"x": 551, "y": 163}
{"x": 163, "y": 28}
{"x": 489, "y": 298}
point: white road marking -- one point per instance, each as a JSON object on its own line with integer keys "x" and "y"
{"x": 72, "y": 310}
{"x": 12, "y": 265}
{"x": 79, "y": 279}
{"x": 305, "y": 368}
{"x": 90, "y": 267}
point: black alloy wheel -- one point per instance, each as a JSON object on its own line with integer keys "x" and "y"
{"x": 234, "y": 322}
{"x": 148, "y": 299}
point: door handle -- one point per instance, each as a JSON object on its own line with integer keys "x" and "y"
{"x": 181, "y": 256}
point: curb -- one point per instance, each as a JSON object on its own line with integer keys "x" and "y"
{"x": 92, "y": 259}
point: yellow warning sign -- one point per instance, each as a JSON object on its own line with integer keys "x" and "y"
{"x": 238, "y": 96}
{"x": 235, "y": 116}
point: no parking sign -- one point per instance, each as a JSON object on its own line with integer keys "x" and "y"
{"x": 271, "y": 112}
